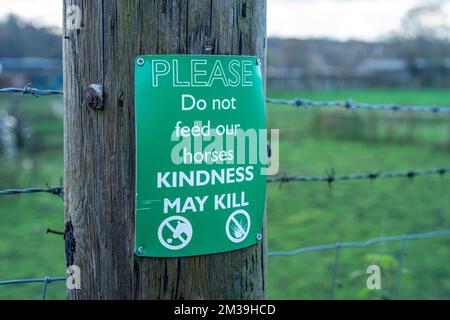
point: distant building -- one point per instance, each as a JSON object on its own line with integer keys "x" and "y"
{"x": 401, "y": 72}
{"x": 284, "y": 72}
{"x": 370, "y": 72}
{"x": 372, "y": 66}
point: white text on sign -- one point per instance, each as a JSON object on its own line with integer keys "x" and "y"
{"x": 234, "y": 74}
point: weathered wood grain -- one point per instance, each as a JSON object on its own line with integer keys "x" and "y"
{"x": 99, "y": 148}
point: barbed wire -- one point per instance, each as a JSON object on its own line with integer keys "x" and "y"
{"x": 353, "y": 244}
{"x": 298, "y": 102}
{"x": 46, "y": 281}
{"x": 330, "y": 178}
{"x": 337, "y": 246}
{"x": 29, "y": 90}
{"x": 55, "y": 190}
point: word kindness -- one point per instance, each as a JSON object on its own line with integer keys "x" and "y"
{"x": 203, "y": 73}
{"x": 180, "y": 179}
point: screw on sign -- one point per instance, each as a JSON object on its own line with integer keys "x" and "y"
{"x": 238, "y": 226}
{"x": 175, "y": 233}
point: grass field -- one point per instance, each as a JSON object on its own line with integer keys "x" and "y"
{"x": 299, "y": 214}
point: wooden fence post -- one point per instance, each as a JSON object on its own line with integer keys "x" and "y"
{"x": 99, "y": 149}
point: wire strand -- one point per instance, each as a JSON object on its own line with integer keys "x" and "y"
{"x": 299, "y": 102}
{"x": 331, "y": 177}
{"x": 29, "y": 90}
{"x": 406, "y": 237}
{"x": 55, "y": 190}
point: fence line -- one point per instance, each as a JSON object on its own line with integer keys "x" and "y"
{"x": 337, "y": 246}
{"x": 340, "y": 245}
{"x": 28, "y": 90}
{"x": 55, "y": 190}
{"x": 331, "y": 177}
{"x": 45, "y": 281}
{"x": 298, "y": 102}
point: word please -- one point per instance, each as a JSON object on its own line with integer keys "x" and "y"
{"x": 203, "y": 73}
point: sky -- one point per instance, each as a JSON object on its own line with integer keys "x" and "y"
{"x": 368, "y": 20}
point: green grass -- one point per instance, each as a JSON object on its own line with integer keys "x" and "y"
{"x": 299, "y": 214}
{"x": 26, "y": 251}
{"x": 308, "y": 214}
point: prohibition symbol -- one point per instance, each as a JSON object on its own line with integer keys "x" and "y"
{"x": 238, "y": 226}
{"x": 175, "y": 233}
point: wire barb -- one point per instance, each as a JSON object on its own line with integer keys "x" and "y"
{"x": 330, "y": 178}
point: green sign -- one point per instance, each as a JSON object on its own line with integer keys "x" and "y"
{"x": 201, "y": 152}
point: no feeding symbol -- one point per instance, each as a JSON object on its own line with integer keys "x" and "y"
{"x": 175, "y": 233}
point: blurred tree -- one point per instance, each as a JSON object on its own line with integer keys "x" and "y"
{"x": 426, "y": 22}
{"x": 18, "y": 39}
{"x": 423, "y": 42}
{"x": 424, "y": 33}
